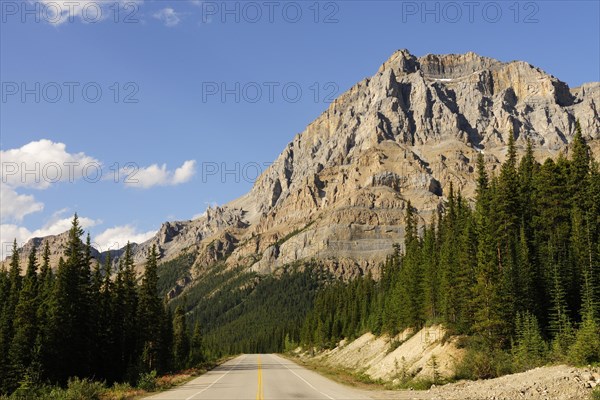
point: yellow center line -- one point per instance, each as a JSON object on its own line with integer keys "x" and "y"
{"x": 259, "y": 392}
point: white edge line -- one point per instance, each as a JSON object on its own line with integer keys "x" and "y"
{"x": 221, "y": 377}
{"x": 304, "y": 380}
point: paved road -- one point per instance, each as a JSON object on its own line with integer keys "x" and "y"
{"x": 260, "y": 377}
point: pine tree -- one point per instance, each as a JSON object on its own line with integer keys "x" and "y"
{"x": 197, "y": 346}
{"x": 411, "y": 275}
{"x": 125, "y": 307}
{"x": 586, "y": 347}
{"x": 488, "y": 318}
{"x": 107, "y": 323}
{"x": 560, "y": 322}
{"x": 13, "y": 284}
{"x": 150, "y": 314}
{"x": 467, "y": 273}
{"x": 530, "y": 349}
{"x": 45, "y": 277}
{"x": 181, "y": 340}
{"x": 70, "y": 313}
{"x": 506, "y": 201}
{"x": 431, "y": 282}
{"x": 579, "y": 168}
{"x": 21, "y": 351}
{"x": 166, "y": 334}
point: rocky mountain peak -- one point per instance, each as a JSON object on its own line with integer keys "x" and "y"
{"x": 454, "y": 66}
{"x": 338, "y": 191}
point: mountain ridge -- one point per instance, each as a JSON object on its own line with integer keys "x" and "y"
{"x": 338, "y": 191}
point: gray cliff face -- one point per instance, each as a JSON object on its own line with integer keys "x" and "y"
{"x": 338, "y": 191}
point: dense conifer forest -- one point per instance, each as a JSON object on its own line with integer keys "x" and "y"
{"x": 516, "y": 271}
{"x": 86, "y": 320}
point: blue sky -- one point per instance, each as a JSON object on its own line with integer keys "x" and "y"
{"x": 159, "y": 71}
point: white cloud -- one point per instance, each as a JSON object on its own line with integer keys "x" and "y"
{"x": 185, "y": 172}
{"x": 8, "y": 233}
{"x": 41, "y": 163}
{"x": 38, "y": 165}
{"x": 59, "y": 225}
{"x": 155, "y": 175}
{"x": 118, "y": 236}
{"x": 14, "y": 206}
{"x": 168, "y": 16}
{"x": 56, "y": 225}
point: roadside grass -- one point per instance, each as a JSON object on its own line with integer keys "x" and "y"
{"x": 86, "y": 389}
{"x": 362, "y": 380}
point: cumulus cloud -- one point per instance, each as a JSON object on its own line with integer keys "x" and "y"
{"x": 38, "y": 165}
{"x": 168, "y": 16}
{"x": 185, "y": 172}
{"x": 155, "y": 175}
{"x": 118, "y": 236}
{"x": 14, "y": 206}
{"x": 56, "y": 225}
{"x": 41, "y": 163}
{"x": 8, "y": 233}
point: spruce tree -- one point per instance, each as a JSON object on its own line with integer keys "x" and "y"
{"x": 181, "y": 339}
{"x": 431, "y": 282}
{"x": 579, "y": 168}
{"x": 21, "y": 353}
{"x": 150, "y": 314}
{"x": 70, "y": 312}
{"x": 411, "y": 275}
{"x": 13, "y": 284}
{"x": 488, "y": 319}
{"x": 197, "y": 347}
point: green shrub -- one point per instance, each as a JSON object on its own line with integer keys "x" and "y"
{"x": 530, "y": 349}
{"x": 563, "y": 341}
{"x": 596, "y": 393}
{"x": 83, "y": 389}
{"x": 147, "y": 381}
{"x": 119, "y": 391}
{"x": 586, "y": 348}
{"x": 482, "y": 363}
{"x": 77, "y": 389}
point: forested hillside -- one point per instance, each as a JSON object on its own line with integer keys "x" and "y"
{"x": 86, "y": 320}
{"x": 518, "y": 270}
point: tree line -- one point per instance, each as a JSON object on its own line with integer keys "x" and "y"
{"x": 86, "y": 320}
{"x": 519, "y": 266}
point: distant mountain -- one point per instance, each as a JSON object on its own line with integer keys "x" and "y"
{"x": 338, "y": 191}
{"x": 58, "y": 245}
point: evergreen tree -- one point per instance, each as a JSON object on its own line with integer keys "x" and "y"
{"x": 488, "y": 318}
{"x": 125, "y": 307}
{"x": 181, "y": 339}
{"x": 197, "y": 347}
{"x": 13, "y": 284}
{"x": 506, "y": 202}
{"x": 107, "y": 352}
{"x": 70, "y": 313}
{"x": 411, "y": 276}
{"x": 530, "y": 349}
{"x": 431, "y": 281}
{"x": 449, "y": 267}
{"x": 150, "y": 314}
{"x": 579, "y": 168}
{"x": 25, "y": 325}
